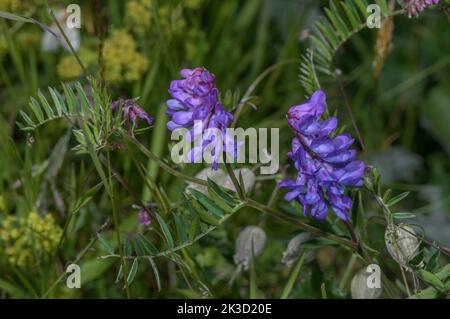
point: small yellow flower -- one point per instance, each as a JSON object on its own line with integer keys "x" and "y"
{"x": 138, "y": 15}
{"x": 22, "y": 239}
{"x": 68, "y": 67}
{"x": 172, "y": 20}
{"x": 123, "y": 63}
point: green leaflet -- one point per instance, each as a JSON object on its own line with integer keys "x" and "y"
{"x": 340, "y": 23}
{"x": 133, "y": 271}
{"x": 105, "y": 244}
{"x": 204, "y": 215}
{"x": 165, "y": 230}
{"x": 146, "y": 245}
{"x": 207, "y": 203}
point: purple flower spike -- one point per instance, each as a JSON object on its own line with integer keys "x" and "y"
{"x": 195, "y": 100}
{"x": 131, "y": 111}
{"x": 325, "y": 164}
{"x": 414, "y": 7}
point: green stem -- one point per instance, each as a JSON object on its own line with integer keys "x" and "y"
{"x": 117, "y": 228}
{"x": 293, "y": 277}
{"x": 183, "y": 245}
{"x": 249, "y": 202}
{"x": 253, "y": 86}
{"x": 306, "y": 227}
{"x": 76, "y": 261}
{"x": 163, "y": 165}
{"x": 237, "y": 186}
{"x": 348, "y": 272}
{"x": 72, "y": 50}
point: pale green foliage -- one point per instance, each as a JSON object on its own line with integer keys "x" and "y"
{"x": 330, "y": 33}
{"x": 86, "y": 110}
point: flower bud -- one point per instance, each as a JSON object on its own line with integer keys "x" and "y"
{"x": 250, "y": 241}
{"x": 295, "y": 249}
{"x": 401, "y": 243}
{"x": 359, "y": 288}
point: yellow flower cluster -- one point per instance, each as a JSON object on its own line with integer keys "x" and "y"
{"x": 25, "y": 240}
{"x": 123, "y": 63}
{"x": 138, "y": 15}
{"x": 172, "y": 20}
{"x": 68, "y": 67}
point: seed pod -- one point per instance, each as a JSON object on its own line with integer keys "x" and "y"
{"x": 359, "y": 288}
{"x": 294, "y": 249}
{"x": 401, "y": 243}
{"x": 250, "y": 238}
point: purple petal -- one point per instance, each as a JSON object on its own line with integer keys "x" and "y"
{"x": 175, "y": 105}
{"x": 182, "y": 118}
{"x": 171, "y": 126}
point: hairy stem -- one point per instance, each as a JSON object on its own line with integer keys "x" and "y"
{"x": 249, "y": 202}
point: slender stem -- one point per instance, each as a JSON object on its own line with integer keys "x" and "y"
{"x": 239, "y": 190}
{"x": 405, "y": 281}
{"x": 293, "y": 277}
{"x": 117, "y": 228}
{"x": 351, "y": 230}
{"x": 76, "y": 261}
{"x": 183, "y": 245}
{"x": 72, "y": 50}
{"x": 64, "y": 231}
{"x": 350, "y": 112}
{"x": 347, "y": 273}
{"x": 313, "y": 230}
{"x": 253, "y": 86}
{"x": 249, "y": 202}
{"x": 163, "y": 165}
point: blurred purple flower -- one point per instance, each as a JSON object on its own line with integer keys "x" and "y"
{"x": 195, "y": 106}
{"x": 325, "y": 164}
{"x": 414, "y": 7}
{"x": 131, "y": 111}
{"x": 144, "y": 218}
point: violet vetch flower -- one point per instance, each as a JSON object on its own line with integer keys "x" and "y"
{"x": 195, "y": 106}
{"x": 325, "y": 164}
{"x": 414, "y": 7}
{"x": 131, "y": 111}
{"x": 144, "y": 218}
